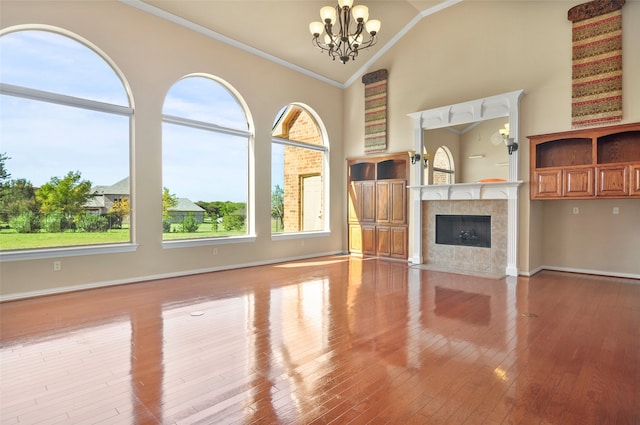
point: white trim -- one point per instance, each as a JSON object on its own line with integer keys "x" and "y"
{"x": 502, "y": 105}
{"x": 59, "y": 290}
{"x": 140, "y": 5}
{"x": 224, "y": 39}
{"x": 586, "y": 271}
{"x": 467, "y": 191}
{"x": 188, "y": 243}
{"x": 202, "y": 125}
{"x": 413, "y": 22}
{"x": 299, "y": 235}
{"x": 72, "y": 251}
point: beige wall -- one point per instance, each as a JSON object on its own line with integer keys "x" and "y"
{"x": 478, "y": 49}
{"x": 468, "y": 51}
{"x": 153, "y": 54}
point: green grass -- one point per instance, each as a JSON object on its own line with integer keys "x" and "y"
{"x": 11, "y": 240}
{"x": 204, "y": 231}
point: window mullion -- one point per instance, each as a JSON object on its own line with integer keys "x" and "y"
{"x": 61, "y": 99}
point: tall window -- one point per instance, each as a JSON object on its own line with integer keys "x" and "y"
{"x": 443, "y": 170}
{"x": 298, "y": 157}
{"x": 65, "y": 125}
{"x": 205, "y": 160}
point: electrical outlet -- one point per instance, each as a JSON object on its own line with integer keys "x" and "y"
{"x": 57, "y": 266}
{"x": 616, "y": 210}
{"x": 576, "y": 210}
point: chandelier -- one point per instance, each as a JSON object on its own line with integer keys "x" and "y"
{"x": 348, "y": 40}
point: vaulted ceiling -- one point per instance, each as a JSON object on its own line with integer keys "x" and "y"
{"x": 278, "y": 30}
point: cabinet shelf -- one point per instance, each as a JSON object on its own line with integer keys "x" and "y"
{"x": 586, "y": 164}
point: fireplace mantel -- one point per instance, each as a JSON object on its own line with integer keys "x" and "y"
{"x": 467, "y": 191}
{"x": 502, "y": 105}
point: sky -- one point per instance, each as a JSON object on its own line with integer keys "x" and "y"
{"x": 44, "y": 140}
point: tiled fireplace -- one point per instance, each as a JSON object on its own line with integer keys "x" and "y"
{"x": 465, "y": 257}
{"x": 499, "y": 201}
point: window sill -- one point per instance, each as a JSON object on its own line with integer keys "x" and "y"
{"x": 74, "y": 251}
{"x": 299, "y": 235}
{"x": 188, "y": 243}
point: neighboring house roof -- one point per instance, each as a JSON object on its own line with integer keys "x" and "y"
{"x": 120, "y": 188}
{"x": 185, "y": 204}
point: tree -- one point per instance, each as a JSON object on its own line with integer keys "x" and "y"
{"x": 120, "y": 210}
{"x": 17, "y": 197}
{"x": 277, "y": 205}
{"x": 169, "y": 200}
{"x": 67, "y": 195}
{"x": 4, "y": 174}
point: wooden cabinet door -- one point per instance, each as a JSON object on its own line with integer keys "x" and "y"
{"x": 399, "y": 242}
{"x": 634, "y": 189}
{"x": 362, "y": 239}
{"x": 398, "y": 207}
{"x": 577, "y": 182}
{"x": 368, "y": 201}
{"x": 613, "y": 180}
{"x": 369, "y": 240}
{"x": 383, "y": 241}
{"x": 355, "y": 239}
{"x": 383, "y": 202}
{"x": 546, "y": 184}
{"x": 355, "y": 201}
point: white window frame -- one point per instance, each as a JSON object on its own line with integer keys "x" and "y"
{"x": 250, "y": 236}
{"x": 76, "y": 102}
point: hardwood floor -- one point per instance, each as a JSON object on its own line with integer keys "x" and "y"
{"x": 335, "y": 340}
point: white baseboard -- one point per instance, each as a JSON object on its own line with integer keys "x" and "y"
{"x": 582, "y": 271}
{"x": 93, "y": 285}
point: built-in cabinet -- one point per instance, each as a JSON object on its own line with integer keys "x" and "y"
{"x": 377, "y": 199}
{"x": 587, "y": 164}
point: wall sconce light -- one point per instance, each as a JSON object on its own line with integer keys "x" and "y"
{"x": 415, "y": 158}
{"x": 512, "y": 146}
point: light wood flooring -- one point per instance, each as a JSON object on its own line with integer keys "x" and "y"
{"x": 336, "y": 340}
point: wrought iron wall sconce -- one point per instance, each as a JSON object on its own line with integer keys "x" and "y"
{"x": 415, "y": 158}
{"x": 512, "y": 146}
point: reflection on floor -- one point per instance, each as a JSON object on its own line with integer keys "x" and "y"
{"x": 329, "y": 340}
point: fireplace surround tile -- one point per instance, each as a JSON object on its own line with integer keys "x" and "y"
{"x": 463, "y": 258}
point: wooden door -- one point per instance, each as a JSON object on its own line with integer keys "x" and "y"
{"x": 355, "y": 201}
{"x": 382, "y": 202}
{"x": 547, "y": 184}
{"x": 368, "y": 201}
{"x": 613, "y": 180}
{"x": 383, "y": 241}
{"x": 369, "y": 239}
{"x": 634, "y": 189}
{"x": 578, "y": 182}
{"x": 398, "y": 207}
{"x": 399, "y": 242}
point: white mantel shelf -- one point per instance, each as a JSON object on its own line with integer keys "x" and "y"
{"x": 467, "y": 191}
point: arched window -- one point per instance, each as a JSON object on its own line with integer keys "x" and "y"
{"x": 205, "y": 160}
{"x": 298, "y": 177}
{"x": 65, "y": 127}
{"x": 443, "y": 169}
